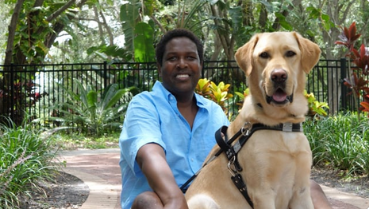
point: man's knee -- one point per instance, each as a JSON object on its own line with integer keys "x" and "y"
{"x": 147, "y": 200}
{"x": 315, "y": 186}
{"x": 320, "y": 201}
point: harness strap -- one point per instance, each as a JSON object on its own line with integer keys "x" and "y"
{"x": 231, "y": 153}
{"x": 241, "y": 186}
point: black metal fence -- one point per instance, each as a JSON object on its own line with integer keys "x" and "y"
{"x": 35, "y": 88}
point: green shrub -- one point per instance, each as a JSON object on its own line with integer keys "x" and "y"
{"x": 341, "y": 142}
{"x": 25, "y": 160}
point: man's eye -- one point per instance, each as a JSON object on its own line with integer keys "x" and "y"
{"x": 172, "y": 58}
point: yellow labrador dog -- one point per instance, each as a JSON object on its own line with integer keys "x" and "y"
{"x": 275, "y": 162}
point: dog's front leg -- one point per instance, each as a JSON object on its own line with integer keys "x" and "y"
{"x": 202, "y": 201}
{"x": 264, "y": 199}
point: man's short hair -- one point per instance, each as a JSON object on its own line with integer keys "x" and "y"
{"x": 160, "y": 47}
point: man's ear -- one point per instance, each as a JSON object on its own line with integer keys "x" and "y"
{"x": 158, "y": 66}
{"x": 243, "y": 55}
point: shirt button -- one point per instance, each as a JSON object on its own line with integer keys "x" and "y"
{"x": 191, "y": 159}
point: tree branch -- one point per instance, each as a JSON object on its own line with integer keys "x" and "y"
{"x": 60, "y": 10}
{"x": 99, "y": 24}
{"x": 158, "y": 23}
{"x": 105, "y": 24}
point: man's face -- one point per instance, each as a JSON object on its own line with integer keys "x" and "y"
{"x": 180, "y": 69}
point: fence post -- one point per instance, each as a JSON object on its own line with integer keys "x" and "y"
{"x": 203, "y": 69}
{"x": 343, "y": 87}
{"x": 105, "y": 73}
{"x": 11, "y": 85}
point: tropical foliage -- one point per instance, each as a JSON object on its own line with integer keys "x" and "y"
{"x": 316, "y": 108}
{"x": 91, "y": 113}
{"x": 218, "y": 93}
{"x": 358, "y": 77}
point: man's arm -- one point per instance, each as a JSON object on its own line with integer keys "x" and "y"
{"x": 151, "y": 159}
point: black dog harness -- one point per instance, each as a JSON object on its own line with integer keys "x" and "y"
{"x": 231, "y": 151}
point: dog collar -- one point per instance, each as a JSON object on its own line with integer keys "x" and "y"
{"x": 286, "y": 127}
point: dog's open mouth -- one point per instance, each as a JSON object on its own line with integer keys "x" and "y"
{"x": 279, "y": 97}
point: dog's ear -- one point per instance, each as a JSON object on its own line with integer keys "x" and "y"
{"x": 310, "y": 52}
{"x": 243, "y": 55}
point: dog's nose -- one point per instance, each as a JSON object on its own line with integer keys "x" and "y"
{"x": 278, "y": 75}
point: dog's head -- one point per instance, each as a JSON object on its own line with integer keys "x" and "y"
{"x": 276, "y": 64}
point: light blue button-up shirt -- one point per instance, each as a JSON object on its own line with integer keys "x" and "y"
{"x": 153, "y": 117}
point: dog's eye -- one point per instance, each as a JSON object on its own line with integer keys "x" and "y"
{"x": 290, "y": 54}
{"x": 264, "y": 55}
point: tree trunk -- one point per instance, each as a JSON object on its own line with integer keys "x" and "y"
{"x": 11, "y": 33}
{"x": 5, "y": 101}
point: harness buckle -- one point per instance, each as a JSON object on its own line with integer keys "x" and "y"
{"x": 231, "y": 166}
{"x": 245, "y": 130}
{"x": 287, "y": 127}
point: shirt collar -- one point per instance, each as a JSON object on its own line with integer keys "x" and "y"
{"x": 159, "y": 86}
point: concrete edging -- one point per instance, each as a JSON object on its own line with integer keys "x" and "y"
{"x": 102, "y": 194}
{"x": 346, "y": 197}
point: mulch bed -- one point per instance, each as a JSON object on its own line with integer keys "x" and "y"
{"x": 358, "y": 185}
{"x": 66, "y": 192}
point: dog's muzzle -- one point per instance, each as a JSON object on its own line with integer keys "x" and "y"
{"x": 279, "y": 97}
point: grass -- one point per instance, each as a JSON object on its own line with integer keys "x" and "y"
{"x": 72, "y": 141}
{"x": 340, "y": 142}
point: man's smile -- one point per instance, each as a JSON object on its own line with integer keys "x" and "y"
{"x": 182, "y": 76}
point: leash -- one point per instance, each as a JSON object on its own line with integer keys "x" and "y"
{"x": 231, "y": 151}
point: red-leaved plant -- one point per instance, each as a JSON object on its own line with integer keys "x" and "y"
{"x": 358, "y": 75}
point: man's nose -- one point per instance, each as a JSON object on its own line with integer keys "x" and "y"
{"x": 182, "y": 63}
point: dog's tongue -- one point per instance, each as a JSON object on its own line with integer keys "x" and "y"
{"x": 279, "y": 96}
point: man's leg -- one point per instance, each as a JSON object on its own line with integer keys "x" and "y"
{"x": 320, "y": 201}
{"x": 147, "y": 200}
